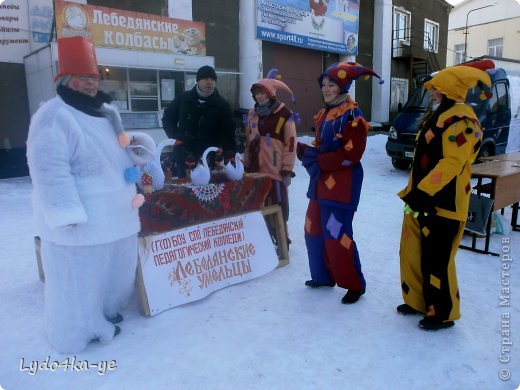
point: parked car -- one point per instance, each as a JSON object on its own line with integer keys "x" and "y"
{"x": 494, "y": 115}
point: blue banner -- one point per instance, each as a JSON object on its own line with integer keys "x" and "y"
{"x": 323, "y": 25}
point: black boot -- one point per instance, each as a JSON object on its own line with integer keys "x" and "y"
{"x": 433, "y": 324}
{"x": 406, "y": 310}
{"x": 116, "y": 320}
{"x": 117, "y": 330}
{"x": 313, "y": 284}
{"x": 352, "y": 296}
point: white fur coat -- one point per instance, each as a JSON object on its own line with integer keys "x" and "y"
{"x": 80, "y": 195}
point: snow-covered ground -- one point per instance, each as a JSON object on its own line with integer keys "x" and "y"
{"x": 273, "y": 332}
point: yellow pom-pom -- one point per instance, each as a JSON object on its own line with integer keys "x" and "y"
{"x": 482, "y": 95}
{"x": 313, "y": 142}
{"x": 278, "y": 76}
{"x": 366, "y": 77}
{"x": 354, "y": 124}
{"x": 342, "y": 74}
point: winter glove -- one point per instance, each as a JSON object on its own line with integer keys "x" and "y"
{"x": 300, "y": 149}
{"x": 310, "y": 162}
{"x": 286, "y": 177}
{"x": 419, "y": 202}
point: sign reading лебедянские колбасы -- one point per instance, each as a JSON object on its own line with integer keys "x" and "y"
{"x": 187, "y": 264}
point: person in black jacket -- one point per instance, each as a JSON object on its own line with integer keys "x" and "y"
{"x": 199, "y": 118}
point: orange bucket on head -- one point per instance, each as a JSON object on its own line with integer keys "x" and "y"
{"x": 76, "y": 55}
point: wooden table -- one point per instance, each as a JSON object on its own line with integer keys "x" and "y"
{"x": 179, "y": 204}
{"x": 503, "y": 187}
{"x": 513, "y": 156}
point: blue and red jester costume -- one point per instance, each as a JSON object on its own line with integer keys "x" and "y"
{"x": 336, "y": 176}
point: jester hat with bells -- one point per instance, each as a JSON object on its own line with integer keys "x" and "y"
{"x": 271, "y": 84}
{"x": 343, "y": 73}
{"x": 455, "y": 81}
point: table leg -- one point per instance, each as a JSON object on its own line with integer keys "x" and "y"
{"x": 473, "y": 246}
{"x": 281, "y": 237}
{"x": 514, "y": 218}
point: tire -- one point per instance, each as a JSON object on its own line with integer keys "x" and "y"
{"x": 400, "y": 163}
{"x": 485, "y": 151}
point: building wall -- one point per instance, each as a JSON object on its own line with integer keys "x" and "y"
{"x": 434, "y": 10}
{"x": 302, "y": 79}
{"x": 155, "y": 7}
{"x": 14, "y": 120}
{"x": 222, "y": 26}
{"x": 415, "y": 60}
{"x": 365, "y": 56}
{"x": 499, "y": 21}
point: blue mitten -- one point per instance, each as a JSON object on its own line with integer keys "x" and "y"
{"x": 310, "y": 162}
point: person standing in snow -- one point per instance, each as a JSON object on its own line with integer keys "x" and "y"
{"x": 336, "y": 176}
{"x": 200, "y": 118}
{"x": 271, "y": 139}
{"x": 85, "y": 210}
{"x": 437, "y": 196}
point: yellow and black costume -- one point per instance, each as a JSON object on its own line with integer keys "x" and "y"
{"x": 437, "y": 198}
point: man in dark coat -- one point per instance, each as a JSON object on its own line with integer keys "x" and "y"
{"x": 199, "y": 118}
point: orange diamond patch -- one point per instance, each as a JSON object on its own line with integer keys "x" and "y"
{"x": 349, "y": 146}
{"x": 429, "y": 136}
{"x": 425, "y": 231}
{"x": 346, "y": 241}
{"x": 436, "y": 178}
{"x": 330, "y": 182}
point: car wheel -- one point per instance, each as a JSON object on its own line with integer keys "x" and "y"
{"x": 400, "y": 163}
{"x": 485, "y": 151}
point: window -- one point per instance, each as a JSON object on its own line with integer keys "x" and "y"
{"x": 140, "y": 89}
{"x": 398, "y": 93}
{"x": 431, "y": 36}
{"x": 402, "y": 25}
{"x": 143, "y": 90}
{"x": 495, "y": 47}
{"x": 459, "y": 54}
{"x": 114, "y": 82}
{"x": 402, "y": 29}
{"x": 499, "y": 101}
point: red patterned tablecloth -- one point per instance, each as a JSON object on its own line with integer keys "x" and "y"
{"x": 180, "y": 204}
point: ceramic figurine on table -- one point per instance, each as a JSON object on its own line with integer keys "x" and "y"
{"x": 152, "y": 164}
{"x": 201, "y": 174}
{"x": 235, "y": 172}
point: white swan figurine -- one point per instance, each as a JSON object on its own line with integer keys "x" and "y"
{"x": 235, "y": 172}
{"x": 154, "y": 168}
{"x": 200, "y": 175}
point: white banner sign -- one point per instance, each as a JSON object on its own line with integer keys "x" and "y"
{"x": 316, "y": 24}
{"x": 14, "y": 31}
{"x": 188, "y": 264}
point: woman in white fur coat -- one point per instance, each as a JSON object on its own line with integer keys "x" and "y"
{"x": 86, "y": 213}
